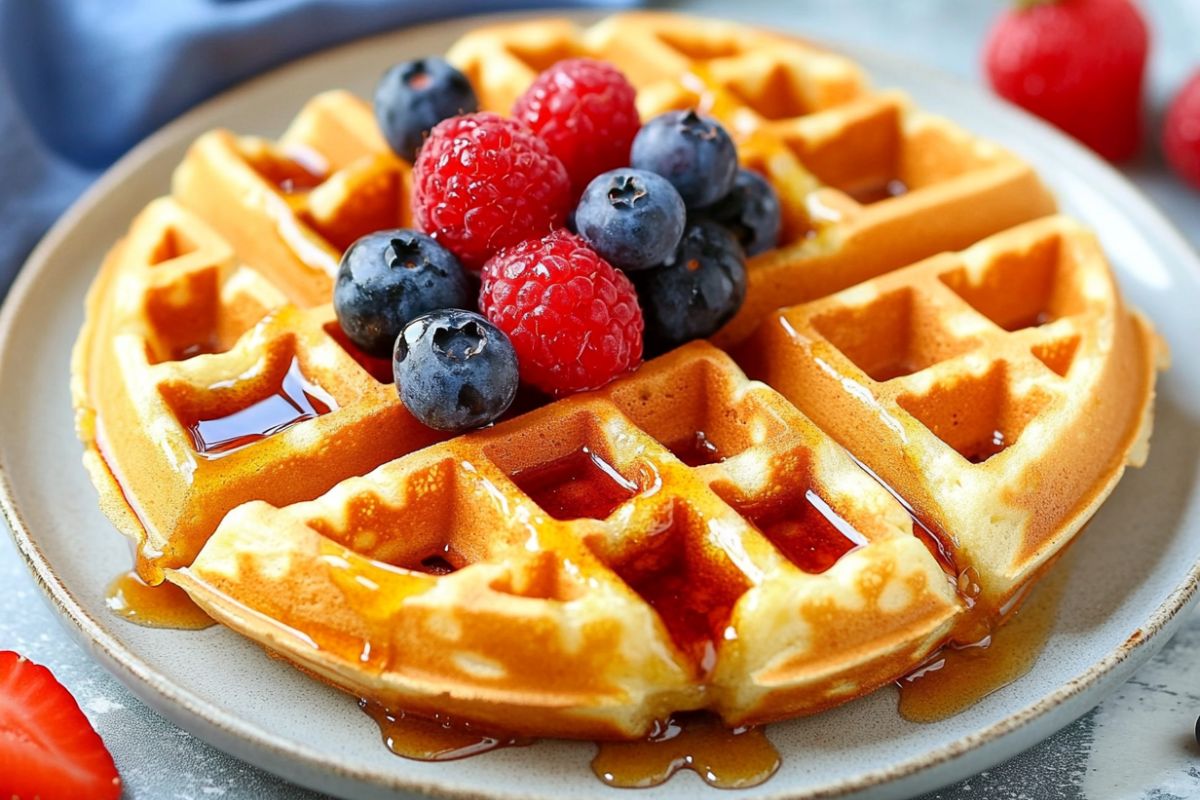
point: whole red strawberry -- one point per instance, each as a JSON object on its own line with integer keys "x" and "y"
{"x": 1181, "y": 133}
{"x": 48, "y": 749}
{"x": 585, "y": 110}
{"x": 1077, "y": 64}
{"x": 482, "y": 182}
{"x": 573, "y": 318}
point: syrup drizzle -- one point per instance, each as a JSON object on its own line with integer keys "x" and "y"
{"x": 579, "y": 485}
{"x": 440, "y": 562}
{"x": 935, "y": 545}
{"x": 162, "y": 606}
{"x": 692, "y": 588}
{"x": 146, "y": 555}
{"x": 723, "y": 757}
{"x": 813, "y": 536}
{"x": 984, "y": 450}
{"x": 697, "y": 450}
{"x": 726, "y": 758}
{"x": 437, "y": 739}
{"x": 961, "y": 675}
{"x": 295, "y": 400}
{"x": 934, "y": 539}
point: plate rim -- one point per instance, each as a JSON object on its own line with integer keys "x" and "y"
{"x": 159, "y": 691}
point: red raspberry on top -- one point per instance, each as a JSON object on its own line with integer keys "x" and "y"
{"x": 584, "y": 109}
{"x": 573, "y": 318}
{"x": 483, "y": 182}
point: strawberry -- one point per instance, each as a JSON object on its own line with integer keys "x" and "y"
{"x": 48, "y": 749}
{"x": 1181, "y": 132}
{"x": 1077, "y": 64}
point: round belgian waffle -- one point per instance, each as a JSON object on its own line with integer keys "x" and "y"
{"x": 685, "y": 538}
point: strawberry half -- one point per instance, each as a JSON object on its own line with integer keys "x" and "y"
{"x": 1077, "y": 64}
{"x": 48, "y": 749}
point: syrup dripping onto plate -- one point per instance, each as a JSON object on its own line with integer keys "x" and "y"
{"x": 162, "y": 606}
{"x": 423, "y": 739}
{"x": 726, "y": 758}
{"x": 584, "y": 484}
{"x": 961, "y": 675}
{"x": 958, "y": 677}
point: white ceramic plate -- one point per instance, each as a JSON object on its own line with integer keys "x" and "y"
{"x": 1130, "y": 576}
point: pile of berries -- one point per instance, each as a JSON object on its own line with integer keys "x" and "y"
{"x": 596, "y": 239}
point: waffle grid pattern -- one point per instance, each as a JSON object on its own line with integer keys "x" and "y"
{"x": 225, "y": 315}
{"x": 684, "y": 538}
{"x": 601, "y": 503}
{"x": 956, "y": 381}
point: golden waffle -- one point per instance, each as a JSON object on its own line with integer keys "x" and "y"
{"x": 866, "y": 183}
{"x": 682, "y": 539}
{"x": 715, "y": 549}
{"x": 210, "y": 328}
{"x": 1000, "y": 391}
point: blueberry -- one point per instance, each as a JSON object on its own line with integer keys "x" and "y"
{"x": 631, "y": 217}
{"x": 697, "y": 291}
{"x": 694, "y": 153}
{"x": 387, "y": 278}
{"x": 455, "y": 370}
{"x": 750, "y": 211}
{"x": 413, "y": 96}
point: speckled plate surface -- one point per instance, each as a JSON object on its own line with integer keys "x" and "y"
{"x": 1130, "y": 576}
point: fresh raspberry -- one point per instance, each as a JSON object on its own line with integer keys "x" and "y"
{"x": 1181, "y": 133}
{"x": 483, "y": 182}
{"x": 584, "y": 109}
{"x": 573, "y": 318}
{"x": 1077, "y": 64}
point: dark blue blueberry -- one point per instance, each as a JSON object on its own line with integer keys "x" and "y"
{"x": 750, "y": 211}
{"x": 413, "y": 96}
{"x": 697, "y": 291}
{"x": 694, "y": 153}
{"x": 455, "y": 370}
{"x": 387, "y": 278}
{"x": 631, "y": 217}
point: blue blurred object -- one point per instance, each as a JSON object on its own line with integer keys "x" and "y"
{"x": 81, "y": 81}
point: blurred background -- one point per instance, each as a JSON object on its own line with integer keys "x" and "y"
{"x": 82, "y": 81}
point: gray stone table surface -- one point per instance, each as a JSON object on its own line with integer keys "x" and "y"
{"x": 1137, "y": 744}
